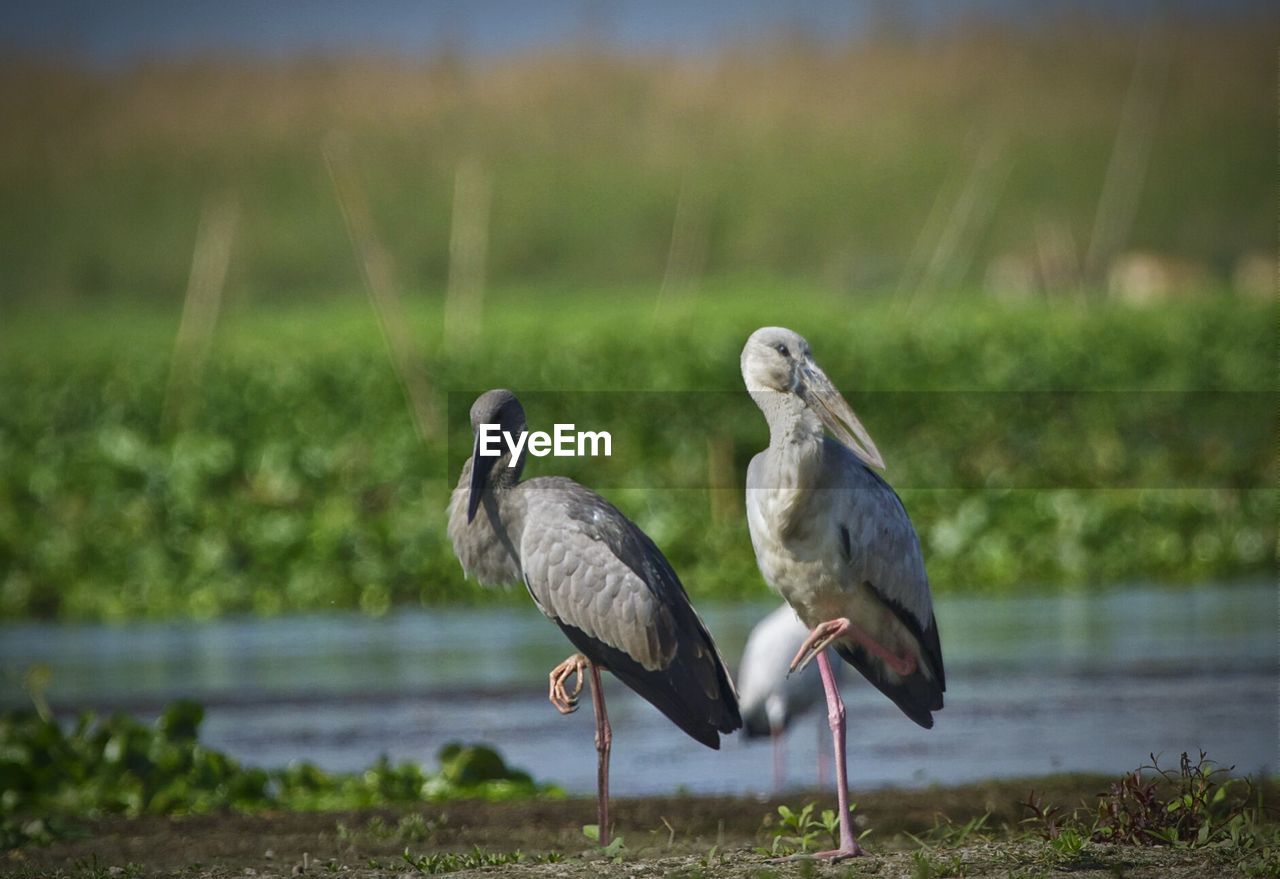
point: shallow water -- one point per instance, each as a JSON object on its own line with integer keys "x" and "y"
{"x": 1035, "y": 685}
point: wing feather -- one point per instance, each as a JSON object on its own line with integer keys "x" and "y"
{"x": 618, "y": 600}
{"x": 884, "y": 564}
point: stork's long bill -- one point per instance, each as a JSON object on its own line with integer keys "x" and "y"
{"x": 481, "y": 465}
{"x": 822, "y": 398}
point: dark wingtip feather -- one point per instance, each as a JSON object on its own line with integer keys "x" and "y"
{"x": 925, "y": 633}
{"x": 701, "y": 704}
{"x": 916, "y": 695}
{"x": 672, "y": 691}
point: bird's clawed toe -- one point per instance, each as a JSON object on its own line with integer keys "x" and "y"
{"x": 565, "y": 700}
{"x": 819, "y": 639}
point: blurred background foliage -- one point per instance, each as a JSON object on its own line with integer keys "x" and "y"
{"x": 787, "y": 157}
{"x": 296, "y": 479}
{"x": 953, "y": 217}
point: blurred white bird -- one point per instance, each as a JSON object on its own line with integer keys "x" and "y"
{"x": 768, "y": 696}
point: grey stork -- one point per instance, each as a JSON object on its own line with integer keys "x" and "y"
{"x": 835, "y": 541}
{"x": 598, "y": 577}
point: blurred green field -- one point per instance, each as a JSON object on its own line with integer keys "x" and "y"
{"x": 1042, "y": 433}
{"x": 288, "y": 474}
{"x": 897, "y": 160}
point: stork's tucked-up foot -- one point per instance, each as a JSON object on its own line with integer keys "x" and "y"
{"x": 821, "y": 636}
{"x": 824, "y": 634}
{"x": 565, "y": 700}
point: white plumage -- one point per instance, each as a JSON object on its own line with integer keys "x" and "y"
{"x": 768, "y": 697}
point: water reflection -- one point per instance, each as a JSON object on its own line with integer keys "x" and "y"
{"x": 1037, "y": 684}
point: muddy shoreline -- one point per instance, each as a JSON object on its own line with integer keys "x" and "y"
{"x": 678, "y": 835}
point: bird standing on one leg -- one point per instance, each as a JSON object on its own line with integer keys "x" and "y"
{"x": 600, "y": 579}
{"x": 833, "y": 538}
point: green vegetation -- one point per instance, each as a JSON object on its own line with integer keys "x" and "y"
{"x": 617, "y": 847}
{"x": 929, "y": 866}
{"x": 800, "y": 831}
{"x": 450, "y": 862}
{"x": 786, "y": 160}
{"x": 1198, "y": 806}
{"x": 679, "y": 835}
{"x": 287, "y": 475}
{"x": 118, "y": 765}
{"x": 1065, "y": 441}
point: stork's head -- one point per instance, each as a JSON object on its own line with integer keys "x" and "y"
{"x": 498, "y": 407}
{"x": 776, "y": 360}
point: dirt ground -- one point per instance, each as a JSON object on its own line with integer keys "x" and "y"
{"x": 665, "y": 836}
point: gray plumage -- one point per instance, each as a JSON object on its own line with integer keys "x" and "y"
{"x": 597, "y": 576}
{"x": 829, "y": 533}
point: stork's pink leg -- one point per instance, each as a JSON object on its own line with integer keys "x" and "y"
{"x": 824, "y": 777}
{"x": 775, "y": 738}
{"x": 604, "y": 742}
{"x": 849, "y": 847}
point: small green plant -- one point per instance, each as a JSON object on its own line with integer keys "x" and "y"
{"x": 1202, "y": 810}
{"x": 451, "y": 862}
{"x": 797, "y": 832}
{"x": 802, "y": 831}
{"x": 1045, "y": 819}
{"x": 616, "y": 847}
{"x": 1264, "y": 862}
{"x": 957, "y": 834}
{"x": 946, "y": 832}
{"x": 925, "y": 865}
{"x": 1068, "y": 843}
{"x": 413, "y": 827}
{"x": 1196, "y": 805}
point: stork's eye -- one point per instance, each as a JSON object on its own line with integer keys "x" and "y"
{"x": 782, "y": 349}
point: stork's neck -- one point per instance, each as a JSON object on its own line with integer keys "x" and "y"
{"x": 488, "y": 545}
{"x": 502, "y": 482}
{"x": 795, "y": 439}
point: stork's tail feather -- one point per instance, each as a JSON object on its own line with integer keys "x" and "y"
{"x": 676, "y": 691}
{"x": 917, "y": 694}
